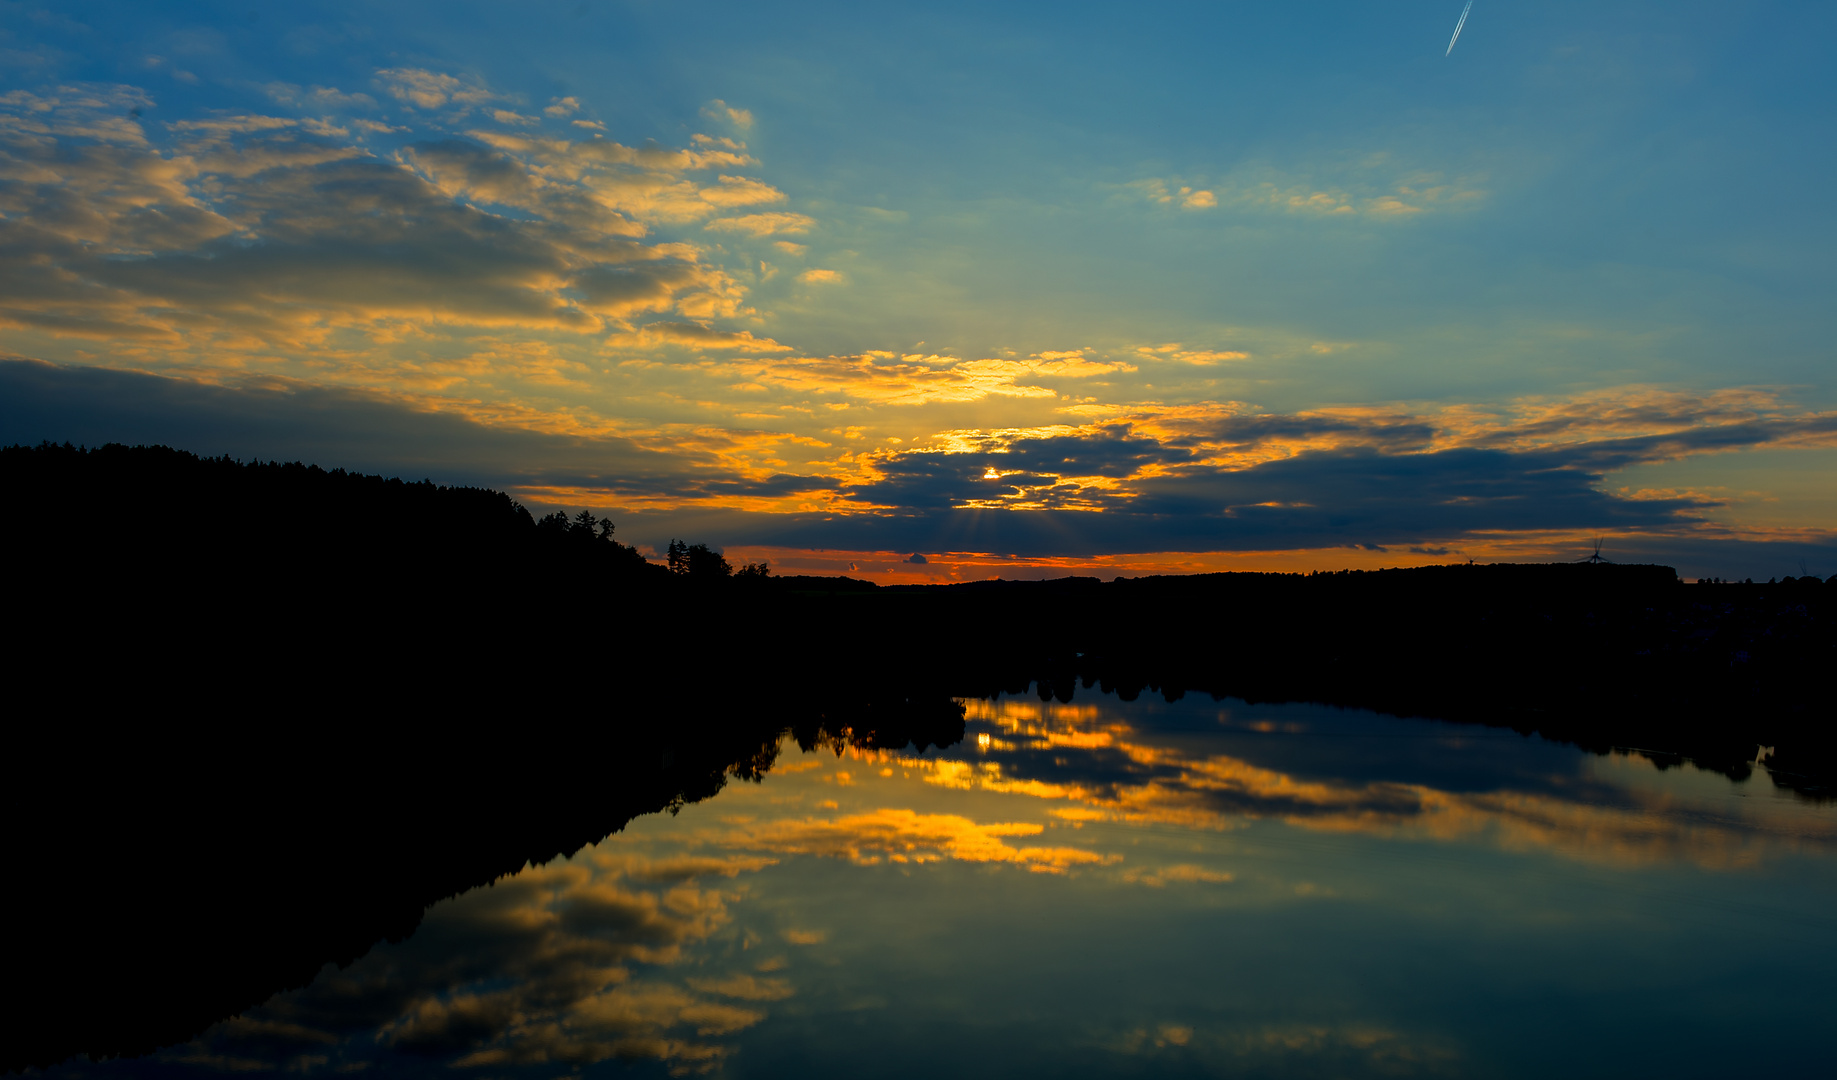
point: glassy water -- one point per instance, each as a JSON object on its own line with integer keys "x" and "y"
{"x": 1099, "y": 889}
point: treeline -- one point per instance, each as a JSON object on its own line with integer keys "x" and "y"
{"x": 170, "y": 577}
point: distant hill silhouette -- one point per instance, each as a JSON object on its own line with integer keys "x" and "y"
{"x": 151, "y": 577}
{"x": 263, "y": 714}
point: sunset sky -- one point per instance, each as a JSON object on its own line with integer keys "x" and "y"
{"x": 952, "y": 291}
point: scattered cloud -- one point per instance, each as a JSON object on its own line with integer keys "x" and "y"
{"x": 324, "y": 98}
{"x": 274, "y": 233}
{"x": 908, "y": 836}
{"x": 1174, "y": 351}
{"x": 1184, "y": 196}
{"x": 699, "y": 336}
{"x": 720, "y": 110}
{"x": 914, "y": 379}
{"x": 764, "y": 225}
{"x": 821, "y": 277}
{"x": 1178, "y": 874}
{"x": 431, "y": 90}
{"x": 1360, "y": 190}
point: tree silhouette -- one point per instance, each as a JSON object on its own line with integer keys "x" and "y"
{"x": 705, "y": 563}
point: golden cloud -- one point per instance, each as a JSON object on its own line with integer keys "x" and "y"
{"x": 697, "y": 336}
{"x": 331, "y": 238}
{"x": 720, "y": 110}
{"x": 431, "y": 90}
{"x": 914, "y": 378}
{"x": 908, "y": 836}
{"x": 1174, "y": 351}
{"x": 763, "y": 224}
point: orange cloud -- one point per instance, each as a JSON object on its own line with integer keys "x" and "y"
{"x": 698, "y": 336}
{"x": 907, "y": 836}
{"x": 763, "y": 224}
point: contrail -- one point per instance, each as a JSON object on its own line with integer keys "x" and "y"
{"x": 1457, "y": 27}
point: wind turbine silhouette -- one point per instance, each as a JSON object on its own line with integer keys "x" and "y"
{"x": 1596, "y": 558}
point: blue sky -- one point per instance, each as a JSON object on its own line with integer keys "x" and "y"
{"x": 751, "y": 270}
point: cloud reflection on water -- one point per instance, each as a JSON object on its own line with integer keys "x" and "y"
{"x": 1088, "y": 755}
{"x": 552, "y": 966}
{"x": 657, "y": 945}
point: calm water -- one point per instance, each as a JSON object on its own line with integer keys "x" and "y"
{"x": 1125, "y": 889}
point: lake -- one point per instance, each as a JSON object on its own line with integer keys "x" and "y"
{"x": 1104, "y": 888}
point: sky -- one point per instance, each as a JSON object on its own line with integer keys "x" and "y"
{"x": 958, "y": 291}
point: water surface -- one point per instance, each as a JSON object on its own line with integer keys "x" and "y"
{"x": 1107, "y": 888}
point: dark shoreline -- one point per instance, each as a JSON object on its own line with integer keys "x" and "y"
{"x": 148, "y": 578}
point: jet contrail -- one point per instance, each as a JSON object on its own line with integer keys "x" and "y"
{"x": 1457, "y": 27}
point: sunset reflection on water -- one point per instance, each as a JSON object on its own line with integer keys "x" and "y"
{"x": 1103, "y": 888}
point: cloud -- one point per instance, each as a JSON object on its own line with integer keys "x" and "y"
{"x": 1202, "y": 480}
{"x": 1225, "y": 478}
{"x": 916, "y": 379}
{"x": 563, "y": 106}
{"x": 1178, "y": 874}
{"x": 431, "y": 90}
{"x": 698, "y": 336}
{"x": 644, "y": 182}
{"x": 720, "y": 110}
{"x": 1183, "y": 196}
{"x": 363, "y": 430}
{"x": 763, "y": 224}
{"x": 232, "y": 125}
{"x": 1339, "y": 190}
{"x": 908, "y": 836}
{"x": 1174, "y": 351}
{"x": 1021, "y": 471}
{"x": 317, "y": 97}
{"x": 819, "y": 277}
{"x": 915, "y": 557}
{"x": 252, "y": 229}
{"x": 745, "y": 987}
